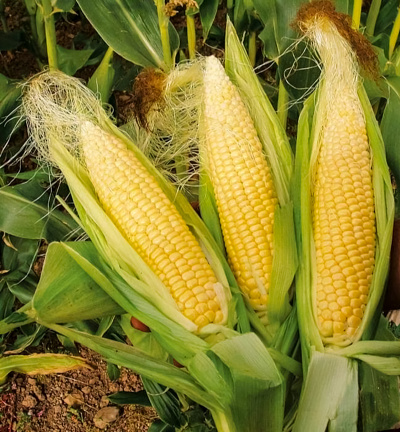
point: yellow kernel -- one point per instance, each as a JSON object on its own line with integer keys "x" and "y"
{"x": 219, "y": 317}
{"x": 358, "y": 312}
{"x": 185, "y": 296}
{"x": 338, "y": 328}
{"x": 201, "y": 321}
{"x": 191, "y": 303}
{"x": 201, "y": 308}
{"x": 190, "y": 314}
{"x": 338, "y": 316}
{"x": 347, "y": 311}
{"x": 327, "y": 328}
{"x": 326, "y": 314}
{"x": 354, "y": 321}
{"x": 210, "y": 315}
{"x": 213, "y": 305}
{"x": 333, "y": 306}
{"x": 343, "y": 301}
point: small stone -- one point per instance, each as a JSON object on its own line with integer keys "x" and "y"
{"x": 105, "y": 416}
{"x": 31, "y": 381}
{"x": 74, "y": 399}
{"x": 92, "y": 381}
{"x": 29, "y": 402}
{"x": 57, "y": 409}
{"x": 86, "y": 390}
{"x": 104, "y": 401}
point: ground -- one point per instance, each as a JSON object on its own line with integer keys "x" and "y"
{"x": 69, "y": 402}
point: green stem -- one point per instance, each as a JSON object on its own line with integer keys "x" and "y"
{"x": 394, "y": 34}
{"x": 283, "y": 99}
{"x": 191, "y": 35}
{"x": 163, "y": 22}
{"x": 32, "y": 20}
{"x": 253, "y": 48}
{"x": 357, "y": 14}
{"x": 50, "y": 29}
{"x": 372, "y": 17}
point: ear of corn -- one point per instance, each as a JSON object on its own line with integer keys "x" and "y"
{"x": 248, "y": 177}
{"x": 344, "y": 217}
{"x": 116, "y": 188}
{"x": 345, "y": 203}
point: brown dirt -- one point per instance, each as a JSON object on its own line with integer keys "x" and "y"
{"x": 40, "y": 403}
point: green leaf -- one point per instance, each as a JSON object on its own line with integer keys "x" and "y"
{"x": 10, "y": 93}
{"x": 63, "y": 5}
{"x": 11, "y": 40}
{"x": 6, "y": 303}
{"x": 130, "y": 398}
{"x": 208, "y": 11}
{"x": 18, "y": 255}
{"x": 130, "y": 28}
{"x": 101, "y": 82}
{"x": 390, "y": 127}
{"x": 379, "y": 399}
{"x": 113, "y": 371}
{"x": 386, "y": 16}
{"x": 24, "y": 212}
{"x": 14, "y": 320}
{"x": 164, "y": 402}
{"x": 31, "y": 336}
{"x": 344, "y": 6}
{"x": 159, "y": 426}
{"x": 39, "y": 364}
{"x": 295, "y": 67}
{"x": 70, "y": 60}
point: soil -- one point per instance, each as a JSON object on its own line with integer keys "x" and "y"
{"x": 69, "y": 402}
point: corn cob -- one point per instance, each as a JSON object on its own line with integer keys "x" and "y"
{"x": 243, "y": 184}
{"x": 143, "y": 213}
{"x": 343, "y": 220}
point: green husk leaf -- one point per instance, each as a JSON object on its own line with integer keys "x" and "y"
{"x": 66, "y": 292}
{"x": 384, "y": 213}
{"x": 386, "y": 365}
{"x": 337, "y": 407}
{"x": 39, "y": 364}
{"x": 147, "y": 342}
{"x": 379, "y": 410}
{"x": 258, "y": 399}
{"x": 309, "y": 334}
